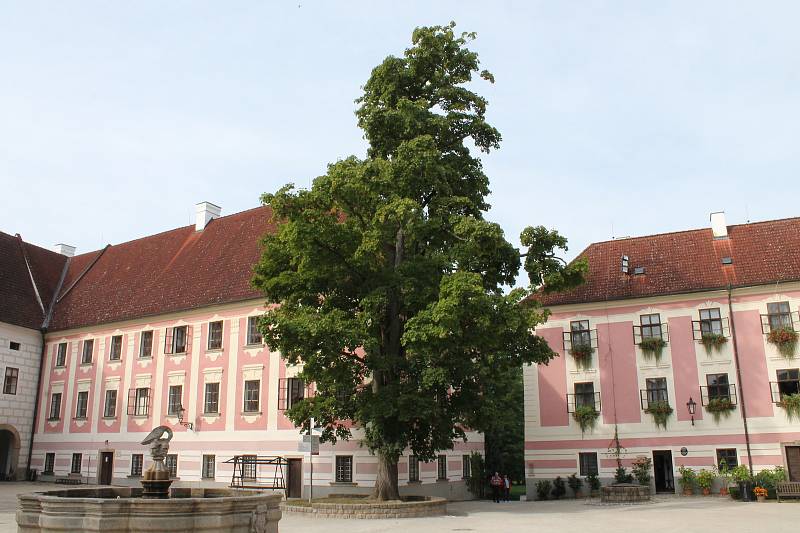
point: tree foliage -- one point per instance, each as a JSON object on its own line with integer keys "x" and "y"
{"x": 393, "y": 288}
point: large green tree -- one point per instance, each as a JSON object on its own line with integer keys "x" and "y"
{"x": 394, "y": 290}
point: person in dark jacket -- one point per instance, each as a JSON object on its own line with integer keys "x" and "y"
{"x": 497, "y": 486}
{"x": 507, "y": 487}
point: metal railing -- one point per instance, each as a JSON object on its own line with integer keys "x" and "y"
{"x": 772, "y": 321}
{"x": 258, "y": 472}
{"x": 588, "y": 336}
{"x": 729, "y": 393}
{"x": 648, "y": 396}
{"x": 698, "y": 329}
{"x": 637, "y": 334}
{"x": 586, "y": 398}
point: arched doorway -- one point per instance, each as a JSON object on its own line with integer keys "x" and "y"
{"x": 9, "y": 452}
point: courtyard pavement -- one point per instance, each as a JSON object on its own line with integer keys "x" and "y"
{"x": 666, "y": 514}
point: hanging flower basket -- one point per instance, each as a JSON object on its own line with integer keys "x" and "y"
{"x": 582, "y": 354}
{"x": 713, "y": 341}
{"x": 661, "y": 411}
{"x": 719, "y": 407}
{"x": 586, "y": 416}
{"x": 785, "y": 339}
{"x": 791, "y": 404}
{"x": 652, "y": 347}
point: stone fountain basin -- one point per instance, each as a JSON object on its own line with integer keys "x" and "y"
{"x": 121, "y": 509}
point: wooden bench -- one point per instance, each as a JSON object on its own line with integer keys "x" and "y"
{"x": 69, "y": 480}
{"x": 789, "y": 489}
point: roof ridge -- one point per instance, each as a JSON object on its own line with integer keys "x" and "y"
{"x": 164, "y": 232}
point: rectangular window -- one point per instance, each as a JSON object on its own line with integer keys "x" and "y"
{"x": 727, "y": 457}
{"x": 178, "y": 340}
{"x": 77, "y": 459}
{"x": 55, "y": 406}
{"x": 209, "y": 466}
{"x": 139, "y": 401}
{"x": 466, "y": 466}
{"x": 82, "y": 404}
{"x": 441, "y": 467}
{"x": 651, "y": 326}
{"x": 174, "y": 399}
{"x": 251, "y": 395}
{"x": 718, "y": 386}
{"x": 584, "y": 394}
{"x": 49, "y": 463}
{"x": 788, "y": 381}
{"x": 296, "y": 388}
{"x": 249, "y": 465}
{"x": 10, "y": 382}
{"x": 110, "y": 404}
{"x": 137, "y": 462}
{"x": 61, "y": 354}
{"x": 253, "y": 335}
{"x": 710, "y": 321}
{"x": 88, "y": 348}
{"x": 116, "y": 348}
{"x": 146, "y": 345}
{"x": 344, "y": 469}
{"x": 14, "y": 345}
{"x": 579, "y": 333}
{"x": 215, "y": 335}
{"x": 413, "y": 468}
{"x": 212, "y": 398}
{"x": 779, "y": 315}
{"x": 656, "y": 390}
{"x": 171, "y": 462}
{"x": 588, "y": 463}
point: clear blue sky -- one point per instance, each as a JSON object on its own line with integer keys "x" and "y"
{"x": 117, "y": 117}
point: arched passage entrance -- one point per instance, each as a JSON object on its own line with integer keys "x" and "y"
{"x": 9, "y": 452}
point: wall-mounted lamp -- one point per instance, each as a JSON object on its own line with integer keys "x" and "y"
{"x": 187, "y": 425}
{"x": 691, "y": 405}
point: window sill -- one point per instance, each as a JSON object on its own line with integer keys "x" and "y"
{"x": 251, "y": 413}
{"x": 86, "y": 364}
{"x": 109, "y": 417}
{"x": 205, "y": 478}
{"x": 251, "y": 346}
{"x": 139, "y": 416}
{"x": 343, "y": 484}
{"x": 178, "y": 354}
{"x": 115, "y": 360}
{"x": 80, "y": 418}
{"x": 53, "y": 419}
{"x": 213, "y": 350}
{"x": 216, "y": 414}
{"x": 145, "y": 357}
{"x": 60, "y": 367}
{"x": 415, "y": 482}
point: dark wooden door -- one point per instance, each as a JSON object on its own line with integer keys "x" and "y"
{"x": 106, "y": 467}
{"x": 294, "y": 483}
{"x": 793, "y": 462}
{"x": 662, "y": 471}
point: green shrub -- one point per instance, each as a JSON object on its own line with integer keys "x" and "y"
{"x": 705, "y": 478}
{"x": 769, "y": 479}
{"x": 734, "y": 492}
{"x": 586, "y": 416}
{"x": 575, "y": 483}
{"x": 719, "y": 407}
{"x": 785, "y": 339}
{"x": 543, "y": 488}
{"x": 593, "y": 481}
{"x": 661, "y": 411}
{"x": 688, "y": 477}
{"x": 713, "y": 341}
{"x": 559, "y": 488}
{"x": 791, "y": 404}
{"x": 476, "y": 482}
{"x": 582, "y": 353}
{"x": 641, "y": 470}
{"x": 622, "y": 476}
{"x": 740, "y": 473}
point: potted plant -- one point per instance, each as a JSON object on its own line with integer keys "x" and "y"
{"x": 785, "y": 339}
{"x": 641, "y": 470}
{"x": 586, "y": 416}
{"x": 543, "y": 488}
{"x": 705, "y": 478}
{"x": 724, "y": 474}
{"x": 761, "y": 494}
{"x": 559, "y": 488}
{"x": 719, "y": 407}
{"x": 652, "y": 347}
{"x": 713, "y": 341}
{"x": 582, "y": 353}
{"x": 661, "y": 411}
{"x": 741, "y": 476}
{"x": 791, "y": 404}
{"x": 688, "y": 479}
{"x": 594, "y": 484}
{"x": 575, "y": 483}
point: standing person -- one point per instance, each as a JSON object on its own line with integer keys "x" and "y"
{"x": 497, "y": 485}
{"x": 507, "y": 487}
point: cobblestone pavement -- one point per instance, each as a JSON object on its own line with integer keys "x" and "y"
{"x": 665, "y": 515}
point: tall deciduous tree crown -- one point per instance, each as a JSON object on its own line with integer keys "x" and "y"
{"x": 393, "y": 288}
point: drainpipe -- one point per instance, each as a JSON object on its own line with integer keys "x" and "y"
{"x": 36, "y": 401}
{"x": 739, "y": 379}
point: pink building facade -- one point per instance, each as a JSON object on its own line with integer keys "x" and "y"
{"x": 194, "y": 362}
{"x": 731, "y": 284}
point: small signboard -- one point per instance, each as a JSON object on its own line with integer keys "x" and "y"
{"x": 684, "y": 451}
{"x": 310, "y": 444}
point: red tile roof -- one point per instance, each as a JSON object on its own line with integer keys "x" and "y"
{"x": 689, "y": 261}
{"x": 171, "y": 271}
{"x": 26, "y": 269}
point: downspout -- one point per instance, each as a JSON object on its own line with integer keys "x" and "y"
{"x": 739, "y": 379}
{"x": 43, "y": 331}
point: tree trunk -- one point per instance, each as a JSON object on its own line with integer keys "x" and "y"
{"x": 386, "y": 480}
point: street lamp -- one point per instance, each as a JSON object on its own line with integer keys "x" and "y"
{"x": 187, "y": 425}
{"x": 691, "y": 405}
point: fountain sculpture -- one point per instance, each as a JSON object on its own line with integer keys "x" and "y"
{"x": 154, "y": 507}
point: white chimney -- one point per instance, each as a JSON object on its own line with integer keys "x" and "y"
{"x": 205, "y": 212}
{"x": 64, "y": 249}
{"x": 718, "y": 225}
